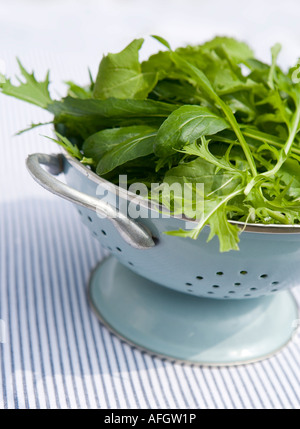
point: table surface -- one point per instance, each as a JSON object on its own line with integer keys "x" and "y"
{"x": 56, "y": 354}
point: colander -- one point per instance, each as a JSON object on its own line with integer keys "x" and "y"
{"x": 175, "y": 297}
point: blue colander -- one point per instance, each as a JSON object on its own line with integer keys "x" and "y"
{"x": 175, "y": 297}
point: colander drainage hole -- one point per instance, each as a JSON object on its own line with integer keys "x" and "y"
{"x": 118, "y": 249}
{"x": 216, "y": 286}
{"x": 219, "y": 273}
{"x": 275, "y": 283}
{"x": 90, "y": 219}
{"x": 130, "y": 263}
{"x": 237, "y": 284}
{"x": 189, "y": 284}
{"x": 253, "y": 288}
{"x": 210, "y": 293}
{"x": 231, "y": 291}
{"x": 264, "y": 276}
{"x": 95, "y": 233}
{"x": 247, "y": 294}
{"x": 80, "y": 212}
{"x": 103, "y": 232}
{"x": 243, "y": 272}
{"x": 274, "y": 290}
{"x": 199, "y": 278}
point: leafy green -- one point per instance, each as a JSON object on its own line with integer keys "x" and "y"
{"x": 111, "y": 108}
{"x": 162, "y": 41}
{"x": 210, "y": 114}
{"x": 128, "y": 146}
{"x": 81, "y": 118}
{"x": 120, "y": 75}
{"x": 186, "y": 124}
{"x": 67, "y": 145}
{"x": 77, "y": 91}
{"x": 31, "y": 90}
{"x": 237, "y": 51}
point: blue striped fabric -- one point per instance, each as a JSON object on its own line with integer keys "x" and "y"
{"x": 57, "y": 354}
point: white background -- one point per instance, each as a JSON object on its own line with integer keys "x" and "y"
{"x": 68, "y": 36}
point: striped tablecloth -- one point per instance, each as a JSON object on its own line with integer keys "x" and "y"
{"x": 55, "y": 353}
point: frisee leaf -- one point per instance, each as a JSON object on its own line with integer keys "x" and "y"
{"x": 67, "y": 145}
{"x": 31, "y": 90}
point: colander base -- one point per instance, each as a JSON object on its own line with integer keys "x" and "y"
{"x": 185, "y": 328}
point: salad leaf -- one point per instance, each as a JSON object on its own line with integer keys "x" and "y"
{"x": 120, "y": 75}
{"x": 71, "y": 148}
{"x": 209, "y": 114}
{"x": 31, "y": 90}
{"x": 111, "y": 108}
{"x": 162, "y": 41}
{"x": 101, "y": 142}
{"x": 238, "y": 51}
{"x": 186, "y": 124}
{"x": 81, "y": 118}
{"x": 131, "y": 146}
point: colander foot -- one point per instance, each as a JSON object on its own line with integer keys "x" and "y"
{"x": 180, "y": 327}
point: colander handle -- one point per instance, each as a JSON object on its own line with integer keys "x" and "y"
{"x": 133, "y": 233}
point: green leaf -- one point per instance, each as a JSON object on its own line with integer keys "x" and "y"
{"x": 203, "y": 151}
{"x": 201, "y": 171}
{"x": 175, "y": 91}
{"x": 111, "y": 108}
{"x": 103, "y": 141}
{"x": 67, "y": 145}
{"x": 31, "y": 90}
{"x": 32, "y": 126}
{"x": 290, "y": 175}
{"x": 77, "y": 91}
{"x": 162, "y": 41}
{"x": 275, "y": 52}
{"x": 84, "y": 117}
{"x": 228, "y": 233}
{"x": 241, "y": 105}
{"x": 186, "y": 124}
{"x": 134, "y": 145}
{"x": 120, "y": 75}
{"x": 213, "y": 213}
{"x": 163, "y": 65}
{"x": 238, "y": 51}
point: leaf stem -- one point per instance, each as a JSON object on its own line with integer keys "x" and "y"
{"x": 231, "y": 119}
{"x": 268, "y": 138}
{"x": 205, "y": 85}
{"x": 288, "y": 145}
{"x": 204, "y": 221}
{"x": 284, "y": 152}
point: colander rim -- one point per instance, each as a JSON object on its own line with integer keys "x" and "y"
{"x": 124, "y": 193}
